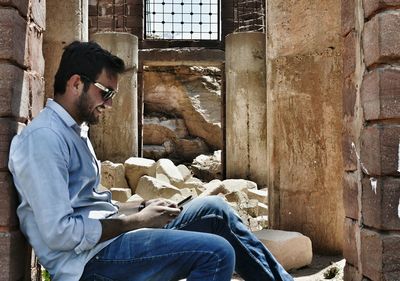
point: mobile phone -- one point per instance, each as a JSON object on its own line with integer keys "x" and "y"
{"x": 184, "y": 201}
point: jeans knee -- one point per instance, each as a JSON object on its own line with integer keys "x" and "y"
{"x": 216, "y": 204}
{"x": 225, "y": 252}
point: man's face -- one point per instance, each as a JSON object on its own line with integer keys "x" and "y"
{"x": 91, "y": 103}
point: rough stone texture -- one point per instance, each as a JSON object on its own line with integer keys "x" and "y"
{"x": 350, "y": 195}
{"x": 239, "y": 184}
{"x": 34, "y": 59}
{"x": 13, "y": 36}
{"x": 372, "y": 6}
{"x": 350, "y": 232}
{"x": 207, "y": 167}
{"x": 259, "y": 195}
{"x": 291, "y": 249}
{"x": 13, "y": 258}
{"x": 348, "y": 18}
{"x": 149, "y": 187}
{"x": 351, "y": 273}
{"x": 121, "y": 194}
{"x": 185, "y": 172}
{"x": 36, "y": 90}
{"x": 136, "y": 167}
{"x": 157, "y": 130}
{"x": 380, "y": 255}
{"x": 113, "y": 175}
{"x": 380, "y": 95}
{"x": 246, "y": 146}
{"x": 8, "y": 128}
{"x": 304, "y": 113}
{"x": 119, "y": 125}
{"x": 14, "y": 86}
{"x": 8, "y": 201}
{"x": 21, "y": 5}
{"x": 382, "y": 38}
{"x": 191, "y": 93}
{"x": 380, "y": 202}
{"x": 380, "y": 150}
{"x": 167, "y": 167}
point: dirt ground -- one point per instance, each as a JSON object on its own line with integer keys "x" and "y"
{"x": 322, "y": 268}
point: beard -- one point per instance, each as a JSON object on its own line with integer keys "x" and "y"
{"x": 86, "y": 113}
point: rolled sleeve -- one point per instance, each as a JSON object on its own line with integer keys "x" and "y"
{"x": 92, "y": 233}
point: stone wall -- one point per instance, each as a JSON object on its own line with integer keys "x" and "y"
{"x": 304, "y": 115}
{"x": 22, "y": 24}
{"x": 371, "y": 99}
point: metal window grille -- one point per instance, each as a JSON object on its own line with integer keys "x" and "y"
{"x": 182, "y": 19}
{"x": 249, "y": 15}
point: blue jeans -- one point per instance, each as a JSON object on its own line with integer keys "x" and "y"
{"x": 207, "y": 241}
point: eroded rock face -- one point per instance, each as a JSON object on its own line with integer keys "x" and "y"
{"x": 183, "y": 105}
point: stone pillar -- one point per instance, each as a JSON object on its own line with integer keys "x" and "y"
{"x": 115, "y": 138}
{"x": 371, "y": 148}
{"x": 304, "y": 113}
{"x": 22, "y": 24}
{"x": 67, "y": 21}
{"x": 246, "y": 122}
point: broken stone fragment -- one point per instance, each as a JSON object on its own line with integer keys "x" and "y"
{"x": 239, "y": 184}
{"x": 136, "y": 167}
{"x": 260, "y": 195}
{"x": 208, "y": 167}
{"x": 150, "y": 188}
{"x": 214, "y": 187}
{"x": 168, "y": 168}
{"x": 113, "y": 175}
{"x": 135, "y": 198}
{"x": 185, "y": 172}
{"x": 121, "y": 194}
{"x": 291, "y": 249}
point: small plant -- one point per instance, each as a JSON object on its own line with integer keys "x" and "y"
{"x": 45, "y": 275}
{"x": 331, "y": 272}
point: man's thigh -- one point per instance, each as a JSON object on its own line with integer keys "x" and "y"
{"x": 153, "y": 254}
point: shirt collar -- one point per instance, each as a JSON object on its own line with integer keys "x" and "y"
{"x": 67, "y": 118}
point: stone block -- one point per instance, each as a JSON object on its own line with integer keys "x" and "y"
{"x": 348, "y": 16}
{"x": 13, "y": 32}
{"x": 8, "y": 129}
{"x": 380, "y": 95}
{"x": 120, "y": 194}
{"x": 168, "y": 168}
{"x": 21, "y": 5}
{"x": 349, "y": 96}
{"x": 260, "y": 195}
{"x": 14, "y": 86}
{"x": 136, "y": 167}
{"x": 149, "y": 188}
{"x": 214, "y": 187}
{"x": 349, "y": 54}
{"x": 380, "y": 202}
{"x": 380, "y": 255}
{"x": 382, "y": 36}
{"x": 239, "y": 184}
{"x": 350, "y": 195}
{"x": 113, "y": 175}
{"x": 350, "y": 232}
{"x": 185, "y": 172}
{"x": 351, "y": 273}
{"x": 291, "y": 249}
{"x": 373, "y": 6}
{"x": 348, "y": 147}
{"x": 8, "y": 201}
{"x": 380, "y": 150}
{"x": 14, "y": 257}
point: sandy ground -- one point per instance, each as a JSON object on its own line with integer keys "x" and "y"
{"x": 315, "y": 271}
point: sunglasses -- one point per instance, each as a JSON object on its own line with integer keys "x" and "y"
{"x": 106, "y": 93}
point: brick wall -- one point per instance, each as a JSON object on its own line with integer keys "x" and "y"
{"x": 21, "y": 84}
{"x": 371, "y": 96}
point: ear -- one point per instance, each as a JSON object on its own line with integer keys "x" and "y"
{"x": 73, "y": 84}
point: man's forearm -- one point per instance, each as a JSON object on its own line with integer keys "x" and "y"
{"x": 113, "y": 227}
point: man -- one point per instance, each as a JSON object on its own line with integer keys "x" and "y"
{"x": 75, "y": 230}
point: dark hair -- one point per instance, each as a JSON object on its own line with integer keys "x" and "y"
{"x": 85, "y": 58}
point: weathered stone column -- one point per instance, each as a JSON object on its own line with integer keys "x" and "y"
{"x": 304, "y": 113}
{"x": 115, "y": 138}
{"x": 67, "y": 21}
{"x": 246, "y": 122}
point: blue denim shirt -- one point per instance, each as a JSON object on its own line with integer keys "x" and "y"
{"x": 56, "y": 174}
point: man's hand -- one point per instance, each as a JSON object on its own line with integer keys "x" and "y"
{"x": 156, "y": 214}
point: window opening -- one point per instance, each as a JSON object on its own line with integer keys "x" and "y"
{"x": 182, "y": 19}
